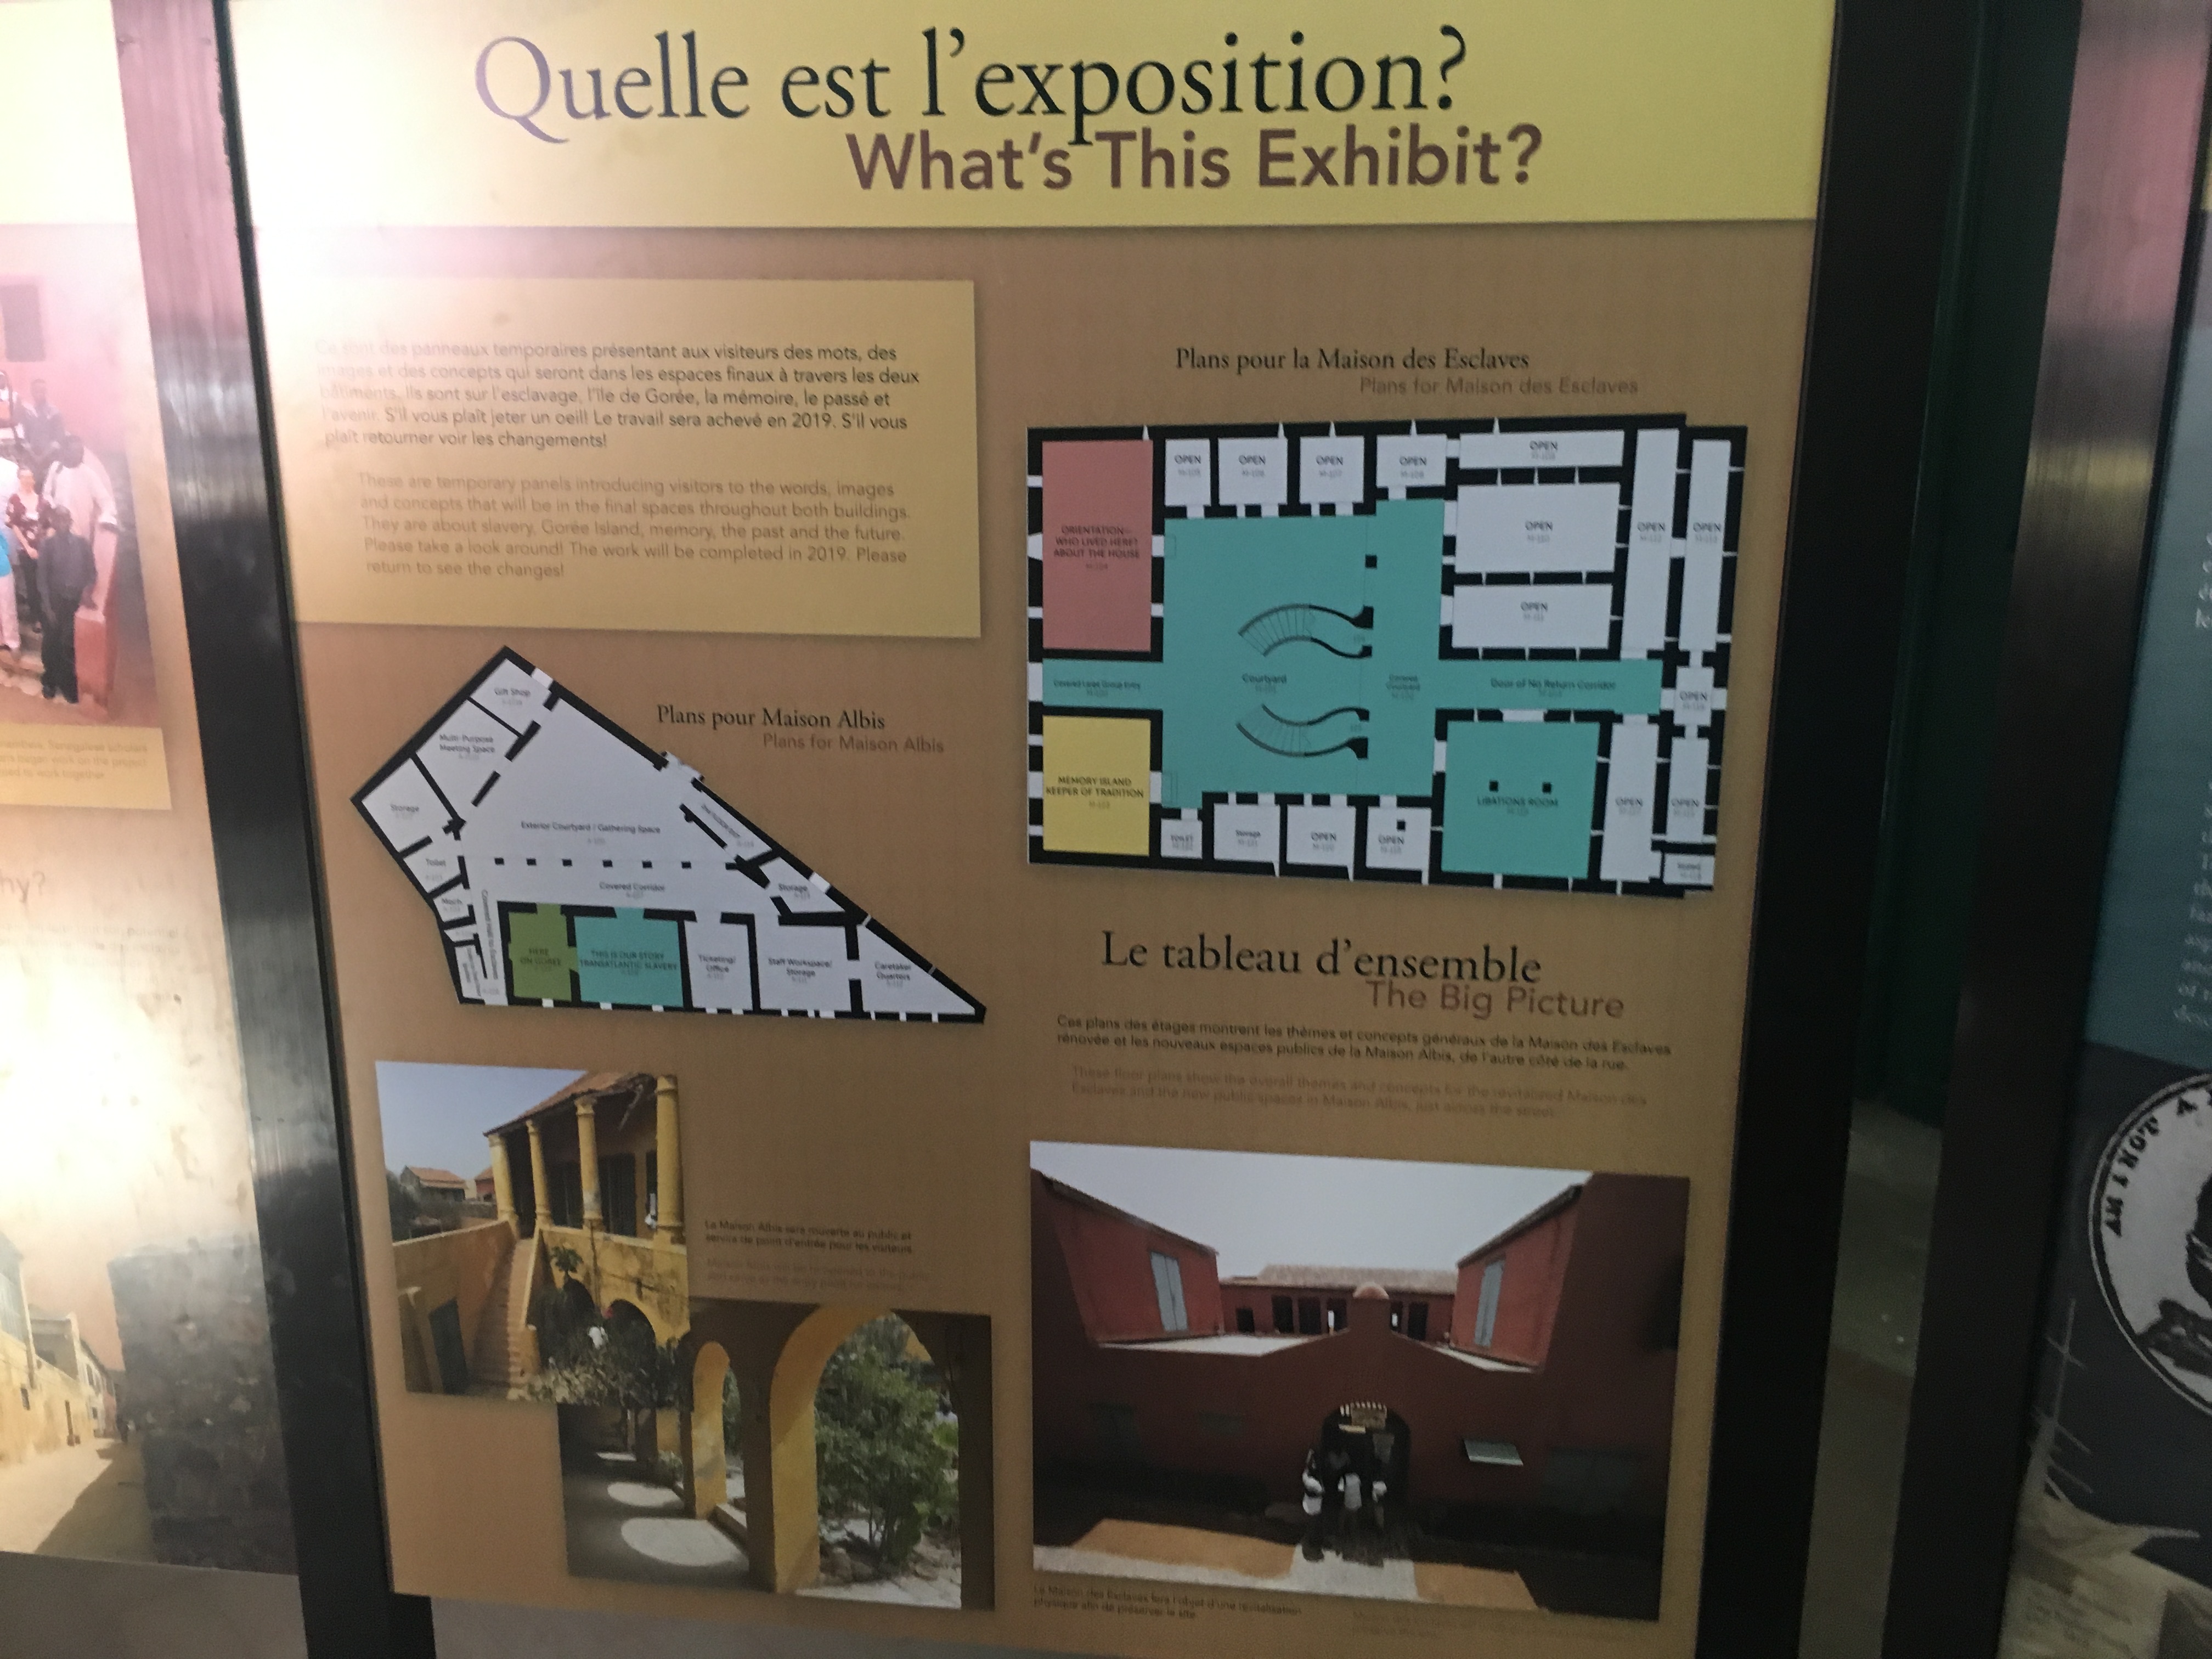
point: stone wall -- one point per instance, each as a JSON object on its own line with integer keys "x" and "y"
{"x": 202, "y": 1400}
{"x": 40, "y": 1406}
{"x": 463, "y": 1268}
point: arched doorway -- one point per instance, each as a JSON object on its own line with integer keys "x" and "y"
{"x": 705, "y": 1449}
{"x": 1366, "y": 1440}
{"x": 886, "y": 1442}
{"x": 777, "y": 1355}
{"x": 794, "y": 1491}
{"x": 562, "y": 1316}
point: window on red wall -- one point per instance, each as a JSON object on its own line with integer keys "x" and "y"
{"x": 1286, "y": 1319}
{"x": 1167, "y": 1283}
{"x": 1245, "y": 1321}
{"x": 1485, "y": 1309}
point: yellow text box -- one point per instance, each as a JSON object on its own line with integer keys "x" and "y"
{"x": 121, "y": 766}
{"x": 872, "y": 112}
{"x": 1098, "y": 785}
{"x": 696, "y": 456}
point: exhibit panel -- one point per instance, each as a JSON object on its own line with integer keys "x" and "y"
{"x": 138, "y": 1410}
{"x": 2109, "y": 1557}
{"x": 1039, "y": 753}
{"x": 2038, "y": 1445}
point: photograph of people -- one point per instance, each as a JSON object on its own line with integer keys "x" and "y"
{"x": 1426, "y": 1382}
{"x": 75, "y": 644}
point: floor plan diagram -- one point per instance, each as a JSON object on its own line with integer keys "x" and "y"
{"x": 570, "y": 866}
{"x": 1482, "y": 653}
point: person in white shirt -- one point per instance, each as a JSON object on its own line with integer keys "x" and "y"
{"x": 79, "y": 483}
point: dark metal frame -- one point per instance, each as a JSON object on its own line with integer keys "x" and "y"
{"x": 1899, "y": 93}
{"x": 2126, "y": 208}
{"x": 1901, "y": 82}
{"x": 181, "y": 113}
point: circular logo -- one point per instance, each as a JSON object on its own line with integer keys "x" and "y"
{"x": 2150, "y": 1234}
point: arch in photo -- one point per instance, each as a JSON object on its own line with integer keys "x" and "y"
{"x": 706, "y": 1459}
{"x": 777, "y": 1351}
{"x": 1379, "y": 1441}
{"x": 792, "y": 1468}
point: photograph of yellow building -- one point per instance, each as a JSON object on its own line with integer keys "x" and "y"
{"x": 570, "y": 1283}
{"x": 797, "y": 1448}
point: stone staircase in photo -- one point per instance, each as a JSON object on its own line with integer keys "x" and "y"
{"x": 498, "y": 1366}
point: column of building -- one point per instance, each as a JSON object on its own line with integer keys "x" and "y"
{"x": 503, "y": 1180}
{"x": 541, "y": 1188}
{"x": 587, "y": 1152}
{"x": 669, "y": 1158}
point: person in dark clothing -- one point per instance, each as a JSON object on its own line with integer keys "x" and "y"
{"x": 43, "y": 428}
{"x": 1311, "y": 1496}
{"x": 66, "y": 573}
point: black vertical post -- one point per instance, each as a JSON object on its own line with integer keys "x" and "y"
{"x": 2125, "y": 203}
{"x": 181, "y": 115}
{"x": 1900, "y": 81}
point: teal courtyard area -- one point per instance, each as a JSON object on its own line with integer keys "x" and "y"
{"x": 1301, "y": 656}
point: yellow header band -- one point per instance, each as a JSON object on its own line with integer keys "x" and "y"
{"x": 852, "y": 114}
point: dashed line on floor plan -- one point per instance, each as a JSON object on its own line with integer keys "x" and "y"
{"x": 568, "y": 866}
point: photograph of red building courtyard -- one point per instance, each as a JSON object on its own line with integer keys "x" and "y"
{"x": 1451, "y": 1383}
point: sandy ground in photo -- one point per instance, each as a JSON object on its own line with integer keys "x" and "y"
{"x": 1192, "y": 1555}
{"x": 625, "y": 1528}
{"x": 88, "y": 1500}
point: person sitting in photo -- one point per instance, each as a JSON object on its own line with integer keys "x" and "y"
{"x": 66, "y": 575}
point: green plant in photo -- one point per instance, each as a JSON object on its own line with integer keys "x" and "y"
{"x": 594, "y": 1361}
{"x": 733, "y": 1417}
{"x": 884, "y": 1457}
